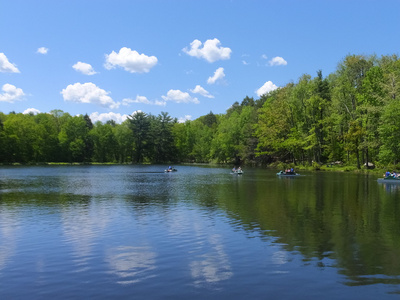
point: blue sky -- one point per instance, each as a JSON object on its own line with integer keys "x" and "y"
{"x": 111, "y": 58}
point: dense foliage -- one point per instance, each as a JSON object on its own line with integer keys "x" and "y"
{"x": 351, "y": 116}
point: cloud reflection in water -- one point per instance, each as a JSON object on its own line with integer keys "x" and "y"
{"x": 213, "y": 266}
{"x": 132, "y": 264}
{"x": 7, "y": 238}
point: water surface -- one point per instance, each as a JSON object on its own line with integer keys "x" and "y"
{"x": 200, "y": 233}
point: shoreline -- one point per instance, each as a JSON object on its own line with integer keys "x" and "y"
{"x": 322, "y": 168}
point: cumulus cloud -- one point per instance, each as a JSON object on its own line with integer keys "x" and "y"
{"x": 180, "y": 97}
{"x": 11, "y": 93}
{"x": 31, "y": 111}
{"x": 218, "y": 75}
{"x": 142, "y": 100}
{"x": 42, "y": 50}
{"x": 88, "y": 93}
{"x": 139, "y": 99}
{"x": 84, "y": 68}
{"x": 6, "y": 66}
{"x": 211, "y": 50}
{"x": 200, "y": 90}
{"x": 184, "y": 119}
{"x": 277, "y": 61}
{"x": 160, "y": 103}
{"x": 266, "y": 88}
{"x": 130, "y": 60}
{"x": 118, "y": 118}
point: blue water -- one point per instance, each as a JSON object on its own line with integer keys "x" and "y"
{"x": 135, "y": 232}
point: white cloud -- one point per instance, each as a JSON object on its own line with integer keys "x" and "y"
{"x": 211, "y": 50}
{"x": 84, "y": 68}
{"x": 264, "y": 56}
{"x": 184, "y": 119}
{"x": 218, "y": 75}
{"x": 6, "y": 66}
{"x": 266, "y": 88}
{"x": 245, "y": 63}
{"x": 143, "y": 100}
{"x": 160, "y": 103}
{"x": 139, "y": 99}
{"x": 135, "y": 112}
{"x": 118, "y": 118}
{"x": 88, "y": 93}
{"x": 180, "y": 97}
{"x": 200, "y": 90}
{"x": 42, "y": 50}
{"x": 11, "y": 93}
{"x": 31, "y": 110}
{"x": 130, "y": 60}
{"x": 277, "y": 61}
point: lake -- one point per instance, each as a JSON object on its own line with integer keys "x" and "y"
{"x": 135, "y": 232}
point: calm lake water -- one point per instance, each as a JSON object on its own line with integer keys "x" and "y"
{"x": 135, "y": 232}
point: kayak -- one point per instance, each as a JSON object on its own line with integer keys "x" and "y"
{"x": 170, "y": 170}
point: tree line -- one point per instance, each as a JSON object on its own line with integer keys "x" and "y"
{"x": 352, "y": 116}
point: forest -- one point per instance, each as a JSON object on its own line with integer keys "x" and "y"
{"x": 349, "y": 117}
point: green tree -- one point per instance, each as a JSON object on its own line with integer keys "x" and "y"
{"x": 347, "y": 88}
{"x": 162, "y": 138}
{"x": 277, "y": 136}
{"x": 181, "y": 141}
{"x": 72, "y": 139}
{"x": 371, "y": 102}
{"x": 225, "y": 143}
{"x": 200, "y": 137}
{"x": 140, "y": 126}
{"x": 124, "y": 139}
{"x": 21, "y": 138}
{"x": 389, "y": 151}
{"x": 105, "y": 144}
{"x": 48, "y": 138}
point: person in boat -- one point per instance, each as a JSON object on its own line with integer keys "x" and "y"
{"x": 234, "y": 170}
{"x": 387, "y": 174}
{"x": 239, "y": 169}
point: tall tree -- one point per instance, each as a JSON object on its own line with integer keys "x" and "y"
{"x": 124, "y": 139}
{"x": 348, "y": 86}
{"x": 162, "y": 138}
{"x": 105, "y": 144}
{"x": 72, "y": 139}
{"x": 140, "y": 126}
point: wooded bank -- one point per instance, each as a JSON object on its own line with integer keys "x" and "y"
{"x": 351, "y": 116}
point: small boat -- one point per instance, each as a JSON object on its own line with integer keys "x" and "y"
{"x": 170, "y": 170}
{"x": 287, "y": 174}
{"x": 237, "y": 171}
{"x": 389, "y": 179}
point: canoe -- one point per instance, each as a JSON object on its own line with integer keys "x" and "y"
{"x": 169, "y": 170}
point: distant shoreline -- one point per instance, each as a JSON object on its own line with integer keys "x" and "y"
{"x": 321, "y": 168}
